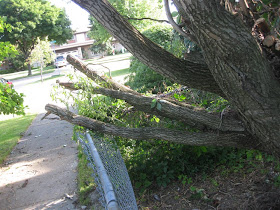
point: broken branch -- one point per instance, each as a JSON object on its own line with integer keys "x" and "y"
{"x": 90, "y": 73}
{"x": 176, "y": 136}
{"x": 196, "y": 118}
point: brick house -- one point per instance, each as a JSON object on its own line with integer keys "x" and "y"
{"x": 79, "y": 46}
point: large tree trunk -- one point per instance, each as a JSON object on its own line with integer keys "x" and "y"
{"x": 29, "y": 69}
{"x": 196, "y": 75}
{"x": 197, "y": 118}
{"x": 234, "y": 65}
{"x": 238, "y": 66}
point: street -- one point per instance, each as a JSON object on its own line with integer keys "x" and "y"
{"x": 27, "y": 80}
{"x": 37, "y": 93}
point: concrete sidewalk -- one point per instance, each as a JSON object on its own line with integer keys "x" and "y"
{"x": 41, "y": 171}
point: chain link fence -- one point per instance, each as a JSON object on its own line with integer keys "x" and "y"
{"x": 110, "y": 173}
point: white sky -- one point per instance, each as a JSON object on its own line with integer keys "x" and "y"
{"x": 77, "y": 15}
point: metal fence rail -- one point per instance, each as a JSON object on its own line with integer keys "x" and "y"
{"x": 110, "y": 173}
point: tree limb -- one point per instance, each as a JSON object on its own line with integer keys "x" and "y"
{"x": 161, "y": 21}
{"x": 239, "y": 66}
{"x": 191, "y": 74}
{"x": 174, "y": 25}
{"x": 181, "y": 137}
{"x": 94, "y": 75}
{"x": 196, "y": 118}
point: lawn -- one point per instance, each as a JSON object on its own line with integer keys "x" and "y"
{"x": 23, "y": 74}
{"x": 110, "y": 58}
{"x": 10, "y": 133}
{"x": 118, "y": 72}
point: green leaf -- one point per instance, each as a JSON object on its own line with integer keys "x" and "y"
{"x": 154, "y": 103}
{"x": 192, "y": 188}
{"x": 159, "y": 106}
{"x": 174, "y": 14}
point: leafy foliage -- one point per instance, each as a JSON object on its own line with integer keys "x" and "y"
{"x": 18, "y": 62}
{"x": 142, "y": 78}
{"x": 269, "y": 10}
{"x": 101, "y": 47}
{"x": 42, "y": 53}
{"x": 11, "y": 101}
{"x": 32, "y": 19}
{"x": 6, "y": 48}
{"x": 158, "y": 162}
{"x": 211, "y": 102}
{"x": 130, "y": 9}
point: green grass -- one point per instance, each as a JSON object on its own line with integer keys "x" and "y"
{"x": 110, "y": 58}
{"x": 23, "y": 74}
{"x": 35, "y": 74}
{"x": 118, "y": 72}
{"x": 86, "y": 183}
{"x": 10, "y": 133}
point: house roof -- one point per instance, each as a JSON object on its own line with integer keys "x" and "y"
{"x": 77, "y": 44}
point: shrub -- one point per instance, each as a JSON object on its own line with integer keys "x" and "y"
{"x": 11, "y": 101}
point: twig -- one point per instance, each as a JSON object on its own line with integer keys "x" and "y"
{"x": 174, "y": 25}
{"x": 161, "y": 21}
{"x": 177, "y": 90}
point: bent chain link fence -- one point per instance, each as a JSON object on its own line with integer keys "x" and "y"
{"x": 104, "y": 158}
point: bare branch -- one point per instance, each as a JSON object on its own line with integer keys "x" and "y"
{"x": 161, "y": 21}
{"x": 174, "y": 25}
{"x": 90, "y": 73}
{"x": 181, "y": 137}
{"x": 244, "y": 7}
{"x": 197, "y": 118}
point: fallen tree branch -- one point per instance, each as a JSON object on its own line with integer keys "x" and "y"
{"x": 196, "y": 118}
{"x": 90, "y": 73}
{"x": 175, "y": 136}
{"x": 191, "y": 74}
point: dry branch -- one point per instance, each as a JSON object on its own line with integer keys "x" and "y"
{"x": 182, "y": 137}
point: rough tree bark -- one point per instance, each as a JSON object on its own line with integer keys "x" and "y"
{"x": 234, "y": 67}
{"x": 238, "y": 66}
{"x": 182, "y": 137}
{"x": 197, "y": 118}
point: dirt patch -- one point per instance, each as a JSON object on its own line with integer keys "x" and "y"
{"x": 41, "y": 171}
{"x": 242, "y": 190}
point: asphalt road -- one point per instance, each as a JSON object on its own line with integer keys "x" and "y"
{"x": 28, "y": 80}
{"x": 41, "y": 171}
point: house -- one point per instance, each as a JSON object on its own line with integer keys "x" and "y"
{"x": 78, "y": 46}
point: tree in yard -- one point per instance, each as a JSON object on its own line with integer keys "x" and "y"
{"x": 133, "y": 12}
{"x": 42, "y": 54}
{"x": 239, "y": 59}
{"x": 6, "y": 48}
{"x": 30, "y": 20}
